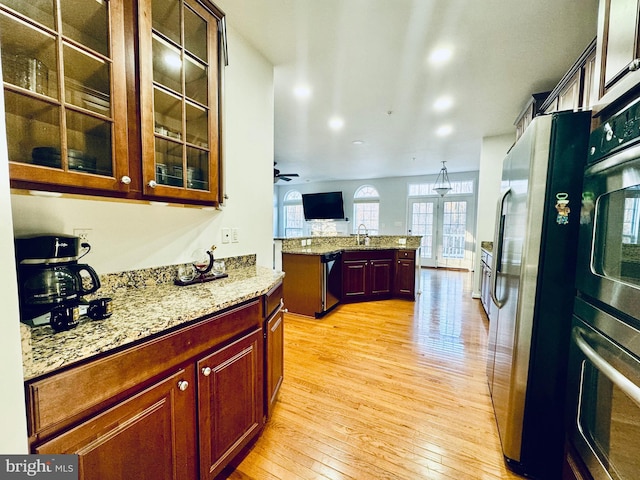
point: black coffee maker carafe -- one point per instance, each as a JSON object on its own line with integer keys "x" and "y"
{"x": 50, "y": 279}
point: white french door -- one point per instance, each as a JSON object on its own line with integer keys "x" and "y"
{"x": 444, "y": 224}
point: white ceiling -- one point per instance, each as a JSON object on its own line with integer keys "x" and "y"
{"x": 367, "y": 62}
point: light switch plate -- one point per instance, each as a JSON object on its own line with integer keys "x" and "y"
{"x": 226, "y": 235}
{"x": 234, "y": 235}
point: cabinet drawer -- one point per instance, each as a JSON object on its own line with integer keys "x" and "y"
{"x": 272, "y": 300}
{"x": 367, "y": 255}
{"x": 63, "y": 398}
{"x": 408, "y": 254}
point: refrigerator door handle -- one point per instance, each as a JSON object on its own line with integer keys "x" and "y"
{"x": 496, "y": 266}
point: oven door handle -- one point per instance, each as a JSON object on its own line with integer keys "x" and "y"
{"x": 618, "y": 379}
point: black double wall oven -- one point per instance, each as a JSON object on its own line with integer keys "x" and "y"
{"x": 604, "y": 363}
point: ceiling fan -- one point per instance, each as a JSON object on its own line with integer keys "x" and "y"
{"x": 282, "y": 176}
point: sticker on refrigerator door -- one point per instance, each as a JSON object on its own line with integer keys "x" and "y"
{"x": 562, "y": 207}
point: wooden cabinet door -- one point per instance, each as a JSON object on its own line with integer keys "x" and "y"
{"x": 179, "y": 99}
{"x": 381, "y": 274}
{"x": 274, "y": 358}
{"x": 65, "y": 94}
{"x": 617, "y": 68}
{"x": 151, "y": 436}
{"x": 405, "y": 278}
{"x": 354, "y": 279}
{"x": 230, "y": 401}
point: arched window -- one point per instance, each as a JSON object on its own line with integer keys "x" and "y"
{"x": 293, "y": 214}
{"x": 366, "y": 209}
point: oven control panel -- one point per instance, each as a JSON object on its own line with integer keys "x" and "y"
{"x": 620, "y": 131}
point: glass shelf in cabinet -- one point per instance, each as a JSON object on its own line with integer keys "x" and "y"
{"x": 28, "y": 57}
{"x": 167, "y": 65}
{"x": 195, "y": 34}
{"x": 197, "y": 125}
{"x": 166, "y": 19}
{"x": 196, "y": 80}
{"x": 86, "y": 23}
{"x": 32, "y": 124}
{"x": 197, "y": 168}
{"x": 89, "y": 140}
{"x": 167, "y": 114}
{"x": 39, "y": 11}
{"x": 87, "y": 81}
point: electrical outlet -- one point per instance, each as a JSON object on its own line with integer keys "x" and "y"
{"x": 226, "y": 235}
{"x": 234, "y": 235}
{"x": 82, "y": 234}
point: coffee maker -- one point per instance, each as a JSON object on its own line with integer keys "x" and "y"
{"x": 51, "y": 281}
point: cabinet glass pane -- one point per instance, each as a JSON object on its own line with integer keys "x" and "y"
{"x": 167, "y": 114}
{"x": 197, "y": 125}
{"x": 86, "y": 21}
{"x": 89, "y": 143}
{"x": 28, "y": 57}
{"x": 169, "y": 162}
{"x": 197, "y": 169}
{"x": 86, "y": 81}
{"x": 167, "y": 65}
{"x": 33, "y": 130}
{"x": 196, "y": 82}
{"x": 195, "y": 34}
{"x": 166, "y": 18}
{"x": 39, "y": 10}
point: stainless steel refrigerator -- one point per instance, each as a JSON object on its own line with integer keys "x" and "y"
{"x": 535, "y": 244}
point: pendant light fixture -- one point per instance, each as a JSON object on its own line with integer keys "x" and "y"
{"x": 442, "y": 185}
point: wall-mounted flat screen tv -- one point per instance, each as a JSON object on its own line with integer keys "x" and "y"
{"x": 323, "y": 206}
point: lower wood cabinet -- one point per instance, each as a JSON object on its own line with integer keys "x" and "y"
{"x": 202, "y": 401}
{"x": 367, "y": 275}
{"x": 230, "y": 402}
{"x": 404, "y": 282}
{"x": 274, "y": 334}
{"x": 149, "y": 436}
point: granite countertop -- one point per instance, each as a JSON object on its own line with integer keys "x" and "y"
{"x": 139, "y": 313}
{"x": 323, "y": 245}
{"x": 487, "y": 246}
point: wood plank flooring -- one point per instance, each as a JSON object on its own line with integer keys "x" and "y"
{"x": 385, "y": 390}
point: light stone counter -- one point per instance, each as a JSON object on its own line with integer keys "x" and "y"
{"x": 140, "y": 312}
{"x": 323, "y": 245}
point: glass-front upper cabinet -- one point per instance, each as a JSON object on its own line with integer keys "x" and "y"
{"x": 65, "y": 96}
{"x": 180, "y": 43}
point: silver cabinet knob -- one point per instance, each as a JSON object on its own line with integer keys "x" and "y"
{"x": 126, "y": 180}
{"x": 183, "y": 385}
{"x": 285, "y": 310}
{"x": 206, "y": 371}
{"x": 152, "y": 183}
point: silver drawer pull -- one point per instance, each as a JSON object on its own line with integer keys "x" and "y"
{"x": 183, "y": 385}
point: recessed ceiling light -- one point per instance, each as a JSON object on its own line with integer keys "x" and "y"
{"x": 444, "y": 130}
{"x": 336, "y": 123}
{"x": 357, "y": 142}
{"x": 440, "y": 55}
{"x": 443, "y": 103}
{"x": 302, "y": 91}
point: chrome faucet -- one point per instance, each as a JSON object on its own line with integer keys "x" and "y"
{"x": 366, "y": 232}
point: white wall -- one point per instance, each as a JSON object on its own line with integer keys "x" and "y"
{"x": 13, "y": 416}
{"x": 492, "y": 153}
{"x": 126, "y": 236}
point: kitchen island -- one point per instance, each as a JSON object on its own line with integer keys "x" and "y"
{"x": 175, "y": 384}
{"x": 384, "y": 268}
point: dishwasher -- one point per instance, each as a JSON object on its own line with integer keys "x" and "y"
{"x": 331, "y": 281}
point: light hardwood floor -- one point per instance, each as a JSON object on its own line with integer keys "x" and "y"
{"x": 385, "y": 390}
